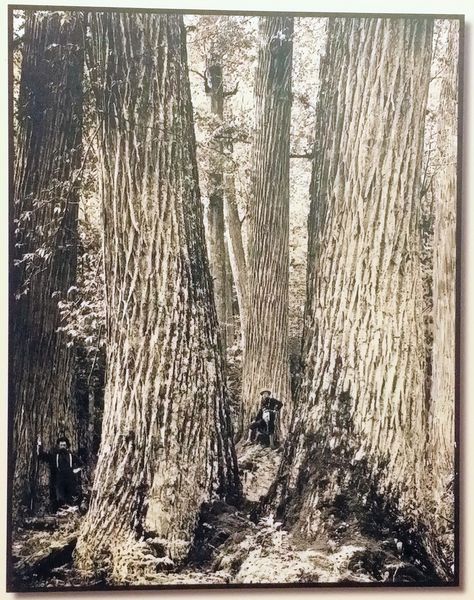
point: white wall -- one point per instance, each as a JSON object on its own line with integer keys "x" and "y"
{"x": 400, "y": 6}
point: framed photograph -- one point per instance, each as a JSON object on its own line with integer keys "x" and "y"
{"x": 234, "y": 299}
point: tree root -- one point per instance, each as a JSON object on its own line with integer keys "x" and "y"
{"x": 128, "y": 560}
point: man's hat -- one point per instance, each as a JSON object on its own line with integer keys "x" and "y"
{"x": 63, "y": 438}
{"x": 263, "y": 391}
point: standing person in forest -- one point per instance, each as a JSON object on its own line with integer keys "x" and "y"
{"x": 64, "y": 468}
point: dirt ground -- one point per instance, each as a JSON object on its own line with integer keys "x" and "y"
{"x": 233, "y": 546}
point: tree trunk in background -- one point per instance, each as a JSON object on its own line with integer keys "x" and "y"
{"x": 360, "y": 421}
{"x": 45, "y": 197}
{"x": 236, "y": 250}
{"x": 266, "y": 339}
{"x": 441, "y": 444}
{"x": 215, "y": 212}
{"x": 166, "y": 436}
{"x": 229, "y": 297}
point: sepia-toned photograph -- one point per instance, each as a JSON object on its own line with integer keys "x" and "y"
{"x": 233, "y": 299}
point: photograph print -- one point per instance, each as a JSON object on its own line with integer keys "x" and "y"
{"x": 233, "y": 299}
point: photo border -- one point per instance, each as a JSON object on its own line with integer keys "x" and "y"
{"x": 458, "y": 508}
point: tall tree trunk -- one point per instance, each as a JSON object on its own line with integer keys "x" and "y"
{"x": 229, "y": 297}
{"x": 236, "y": 250}
{"x": 215, "y": 212}
{"x": 166, "y": 436}
{"x": 45, "y": 206}
{"x": 440, "y": 481}
{"x": 266, "y": 339}
{"x": 360, "y": 420}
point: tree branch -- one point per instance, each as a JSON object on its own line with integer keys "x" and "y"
{"x": 232, "y": 92}
{"x": 16, "y": 43}
{"x": 308, "y": 155}
{"x": 198, "y": 73}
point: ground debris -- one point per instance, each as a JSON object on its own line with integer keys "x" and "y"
{"x": 44, "y": 523}
{"x": 42, "y": 562}
{"x": 232, "y": 545}
{"x": 42, "y": 545}
{"x": 258, "y": 467}
{"x": 219, "y": 523}
{"x": 269, "y": 554}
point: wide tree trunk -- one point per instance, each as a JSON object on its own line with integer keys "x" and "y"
{"x": 215, "y": 211}
{"x": 236, "y": 250}
{"x": 166, "y": 436}
{"x": 266, "y": 339}
{"x": 359, "y": 425}
{"x": 45, "y": 206}
{"x": 441, "y": 445}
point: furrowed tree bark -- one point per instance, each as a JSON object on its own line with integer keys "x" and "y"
{"x": 359, "y": 429}
{"x": 45, "y": 205}
{"x": 229, "y": 297}
{"x": 266, "y": 340}
{"x": 236, "y": 250}
{"x": 166, "y": 437}
{"x": 441, "y": 444}
{"x": 215, "y": 212}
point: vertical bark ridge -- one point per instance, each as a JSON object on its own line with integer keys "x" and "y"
{"x": 440, "y": 451}
{"x": 362, "y": 401}
{"x": 229, "y": 294}
{"x": 215, "y": 210}
{"x": 236, "y": 250}
{"x": 45, "y": 206}
{"x": 266, "y": 362}
{"x": 166, "y": 438}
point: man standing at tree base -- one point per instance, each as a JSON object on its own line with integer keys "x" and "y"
{"x": 63, "y": 468}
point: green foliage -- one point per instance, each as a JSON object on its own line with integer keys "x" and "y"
{"x": 83, "y": 311}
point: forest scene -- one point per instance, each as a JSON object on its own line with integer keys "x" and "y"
{"x": 232, "y": 322}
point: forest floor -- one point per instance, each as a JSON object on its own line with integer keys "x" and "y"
{"x": 234, "y": 546}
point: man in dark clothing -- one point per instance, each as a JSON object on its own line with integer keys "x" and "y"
{"x": 64, "y": 467}
{"x": 265, "y": 420}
